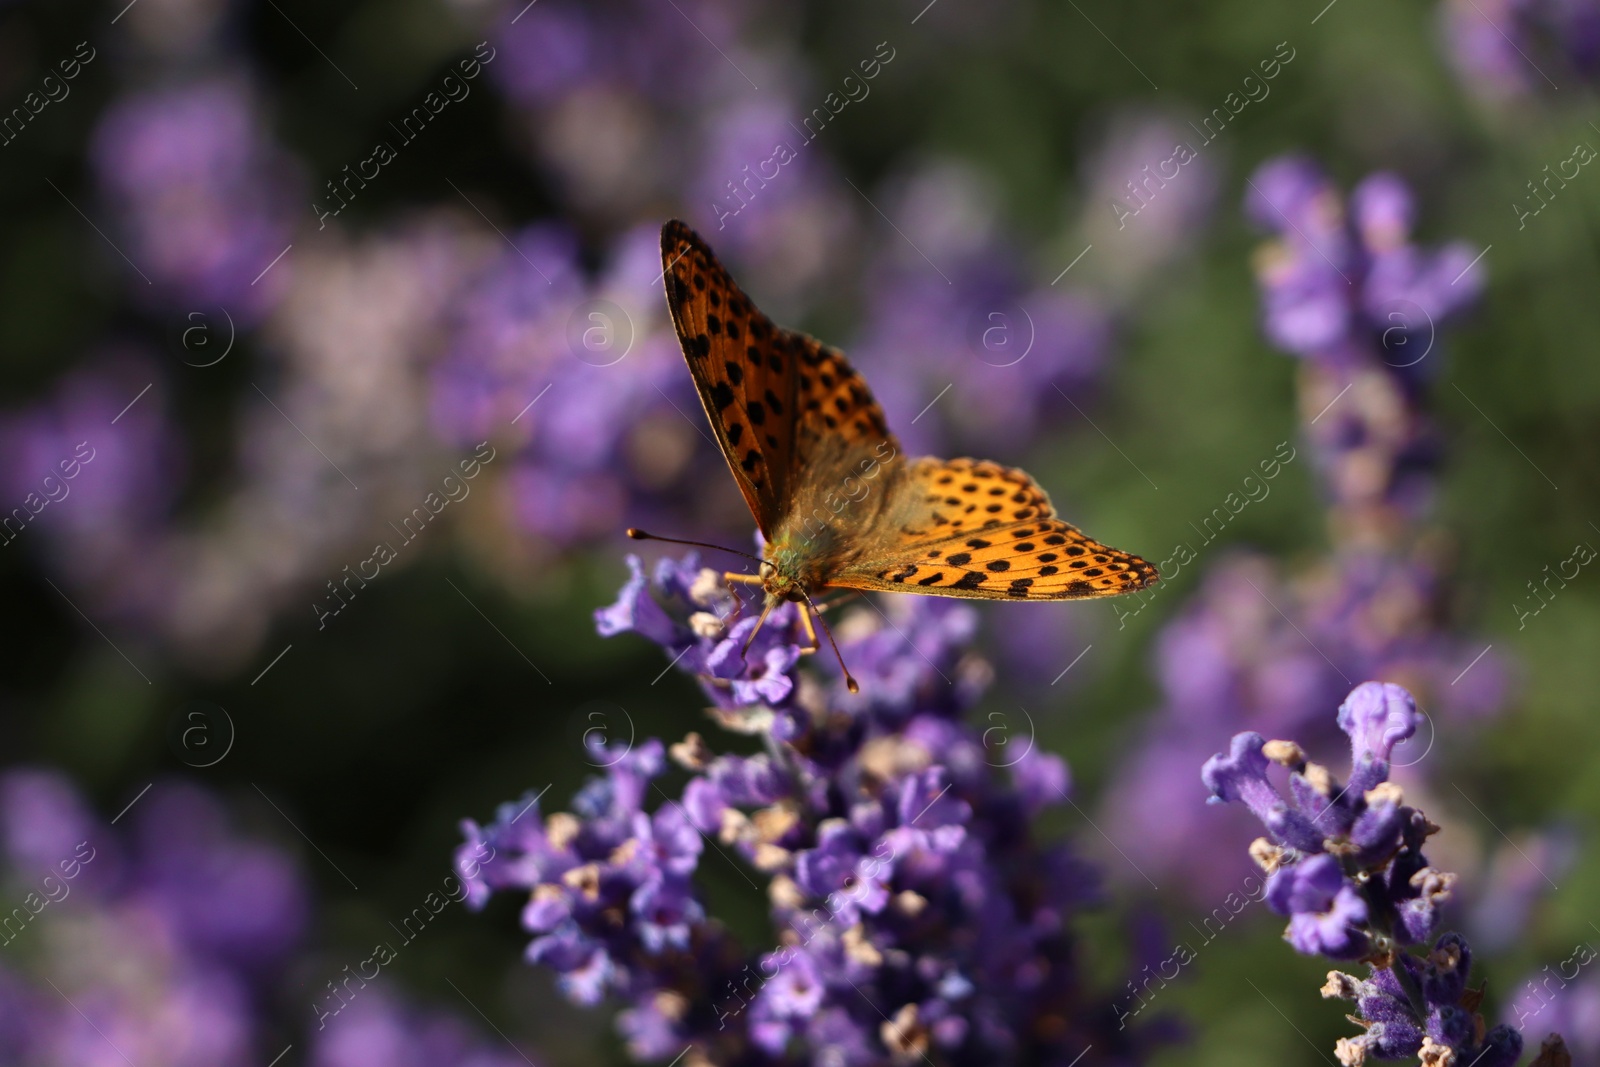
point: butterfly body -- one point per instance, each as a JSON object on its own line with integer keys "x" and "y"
{"x": 838, "y": 503}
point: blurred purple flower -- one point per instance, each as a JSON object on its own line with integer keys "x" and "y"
{"x": 161, "y": 943}
{"x": 1505, "y": 49}
{"x": 202, "y": 192}
{"x": 89, "y": 475}
{"x": 1555, "y": 1002}
{"x": 566, "y": 46}
{"x": 605, "y": 88}
{"x": 42, "y": 818}
{"x": 232, "y": 898}
{"x": 1516, "y": 879}
{"x": 378, "y": 1030}
{"x": 167, "y": 940}
{"x": 1139, "y": 219}
{"x": 1341, "y": 290}
{"x": 1004, "y": 350}
{"x": 1230, "y": 659}
{"x": 616, "y": 438}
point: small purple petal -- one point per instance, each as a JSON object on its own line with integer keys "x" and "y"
{"x": 1242, "y": 775}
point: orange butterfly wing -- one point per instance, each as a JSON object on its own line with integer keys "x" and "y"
{"x": 794, "y": 420}
{"x": 773, "y": 396}
{"x": 971, "y": 528}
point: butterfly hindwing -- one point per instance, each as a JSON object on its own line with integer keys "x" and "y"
{"x": 971, "y": 528}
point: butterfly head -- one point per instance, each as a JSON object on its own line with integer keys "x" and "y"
{"x": 784, "y": 575}
{"x": 789, "y": 575}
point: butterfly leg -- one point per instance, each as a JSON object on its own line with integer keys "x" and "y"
{"x": 734, "y": 578}
{"x": 811, "y": 631}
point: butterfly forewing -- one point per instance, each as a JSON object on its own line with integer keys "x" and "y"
{"x": 744, "y": 367}
{"x": 777, "y": 399}
{"x": 970, "y": 528}
{"x": 834, "y": 400}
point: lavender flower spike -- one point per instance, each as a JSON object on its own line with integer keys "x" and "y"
{"x": 1365, "y": 891}
{"x": 917, "y": 915}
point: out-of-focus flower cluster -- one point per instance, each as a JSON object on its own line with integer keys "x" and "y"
{"x": 160, "y": 943}
{"x": 1344, "y": 288}
{"x": 918, "y": 912}
{"x": 1010, "y": 351}
{"x": 203, "y": 194}
{"x": 1359, "y": 305}
{"x": 169, "y": 940}
{"x": 1346, "y": 866}
{"x": 1507, "y": 49}
{"x": 384, "y": 1029}
{"x": 583, "y": 382}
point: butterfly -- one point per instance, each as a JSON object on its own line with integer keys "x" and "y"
{"x": 838, "y": 505}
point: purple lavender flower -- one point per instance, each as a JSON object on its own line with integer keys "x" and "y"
{"x": 235, "y": 899}
{"x": 689, "y": 609}
{"x": 766, "y": 190}
{"x": 203, "y": 194}
{"x": 1336, "y": 287}
{"x": 166, "y": 940}
{"x": 42, "y": 818}
{"x": 1323, "y": 911}
{"x": 1266, "y": 650}
{"x": 1557, "y": 1001}
{"x": 1231, "y": 659}
{"x": 1506, "y": 49}
{"x": 600, "y": 86}
{"x": 122, "y": 475}
{"x": 1151, "y": 185}
{"x": 1006, "y": 350}
{"x": 611, "y": 443}
{"x": 161, "y": 943}
{"x": 567, "y": 47}
{"x": 611, "y": 904}
{"x": 1377, "y": 716}
{"x": 91, "y": 491}
{"x": 1345, "y": 864}
{"x": 1513, "y": 884}
{"x": 380, "y": 1030}
{"x": 916, "y": 912}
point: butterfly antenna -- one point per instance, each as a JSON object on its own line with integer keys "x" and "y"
{"x": 640, "y": 535}
{"x": 849, "y": 679}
